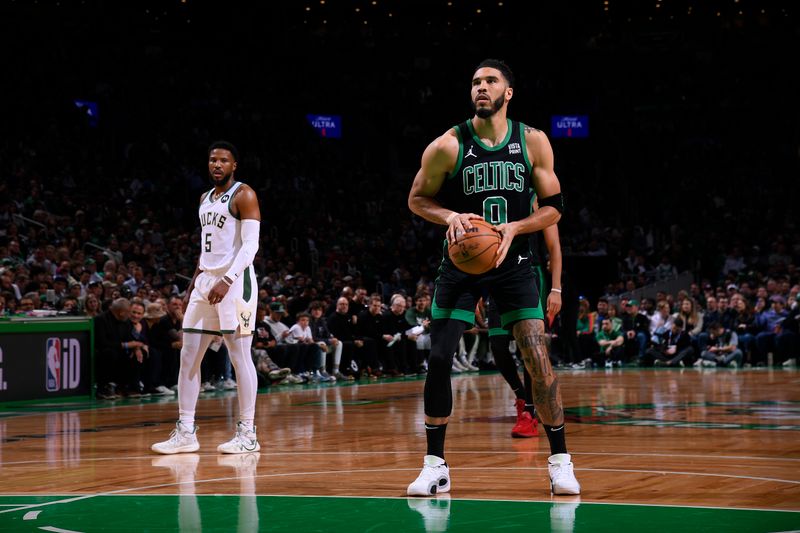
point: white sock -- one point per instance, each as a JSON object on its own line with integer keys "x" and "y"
{"x": 247, "y": 424}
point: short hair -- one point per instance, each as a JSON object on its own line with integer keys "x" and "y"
{"x": 716, "y": 326}
{"x": 224, "y": 145}
{"x": 498, "y": 64}
{"x": 679, "y": 322}
{"x": 119, "y": 304}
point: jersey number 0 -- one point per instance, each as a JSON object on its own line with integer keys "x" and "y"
{"x": 495, "y": 210}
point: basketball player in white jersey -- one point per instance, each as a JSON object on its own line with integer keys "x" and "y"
{"x": 221, "y": 301}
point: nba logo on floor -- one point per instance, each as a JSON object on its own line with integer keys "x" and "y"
{"x": 53, "y": 364}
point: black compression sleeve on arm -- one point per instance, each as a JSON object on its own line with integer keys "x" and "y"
{"x": 556, "y": 201}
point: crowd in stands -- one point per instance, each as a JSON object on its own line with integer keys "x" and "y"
{"x": 736, "y": 325}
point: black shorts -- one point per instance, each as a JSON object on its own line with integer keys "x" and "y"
{"x": 493, "y": 314}
{"x": 513, "y": 286}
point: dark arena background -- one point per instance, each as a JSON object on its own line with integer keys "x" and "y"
{"x": 675, "y": 129}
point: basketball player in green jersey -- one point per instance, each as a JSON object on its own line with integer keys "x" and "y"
{"x": 221, "y": 302}
{"x": 484, "y": 168}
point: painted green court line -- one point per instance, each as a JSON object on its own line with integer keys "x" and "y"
{"x": 225, "y": 513}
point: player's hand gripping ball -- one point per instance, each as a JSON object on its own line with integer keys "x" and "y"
{"x": 474, "y": 251}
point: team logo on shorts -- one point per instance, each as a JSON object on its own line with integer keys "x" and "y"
{"x": 225, "y": 198}
{"x": 245, "y": 319}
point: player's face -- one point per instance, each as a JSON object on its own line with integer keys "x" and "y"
{"x": 490, "y": 92}
{"x": 221, "y": 166}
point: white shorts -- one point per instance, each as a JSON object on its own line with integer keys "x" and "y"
{"x": 236, "y": 310}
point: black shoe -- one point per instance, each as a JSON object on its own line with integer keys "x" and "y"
{"x": 106, "y": 392}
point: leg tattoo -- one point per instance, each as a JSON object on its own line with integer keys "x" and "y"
{"x": 533, "y": 344}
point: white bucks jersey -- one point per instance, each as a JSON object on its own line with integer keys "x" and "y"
{"x": 221, "y": 231}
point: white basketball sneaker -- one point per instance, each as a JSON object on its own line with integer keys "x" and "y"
{"x": 182, "y": 440}
{"x": 434, "y": 478}
{"x": 562, "y": 478}
{"x": 245, "y": 441}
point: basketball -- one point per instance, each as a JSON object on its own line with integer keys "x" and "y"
{"x": 474, "y": 252}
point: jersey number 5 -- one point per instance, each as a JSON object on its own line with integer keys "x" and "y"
{"x": 208, "y": 242}
{"x": 495, "y": 210}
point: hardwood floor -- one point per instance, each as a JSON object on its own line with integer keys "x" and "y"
{"x": 692, "y": 438}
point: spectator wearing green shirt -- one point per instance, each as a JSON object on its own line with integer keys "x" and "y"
{"x": 419, "y": 323}
{"x": 610, "y": 342}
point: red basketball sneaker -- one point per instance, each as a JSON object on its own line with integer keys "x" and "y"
{"x": 525, "y": 427}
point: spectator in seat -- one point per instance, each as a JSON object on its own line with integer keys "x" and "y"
{"x": 787, "y": 342}
{"x": 637, "y": 330}
{"x": 723, "y": 348}
{"x": 674, "y": 347}
{"x": 768, "y": 325}
{"x": 393, "y": 335}
{"x": 300, "y": 333}
{"x": 327, "y": 341}
{"x": 166, "y": 335}
{"x": 691, "y": 316}
{"x": 284, "y": 353}
{"x": 610, "y": 342}
{"x": 268, "y": 371}
{"x": 613, "y": 315}
{"x": 369, "y": 330}
{"x": 419, "y": 319}
{"x": 665, "y": 271}
{"x": 110, "y": 354}
{"x": 341, "y": 324}
{"x": 137, "y": 349}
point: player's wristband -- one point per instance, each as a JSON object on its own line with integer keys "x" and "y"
{"x": 556, "y": 290}
{"x": 227, "y": 281}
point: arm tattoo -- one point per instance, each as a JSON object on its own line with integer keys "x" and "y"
{"x": 529, "y": 129}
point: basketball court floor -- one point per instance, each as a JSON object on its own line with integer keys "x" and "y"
{"x": 655, "y": 450}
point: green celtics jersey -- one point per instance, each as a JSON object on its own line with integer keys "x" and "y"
{"x": 491, "y": 181}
